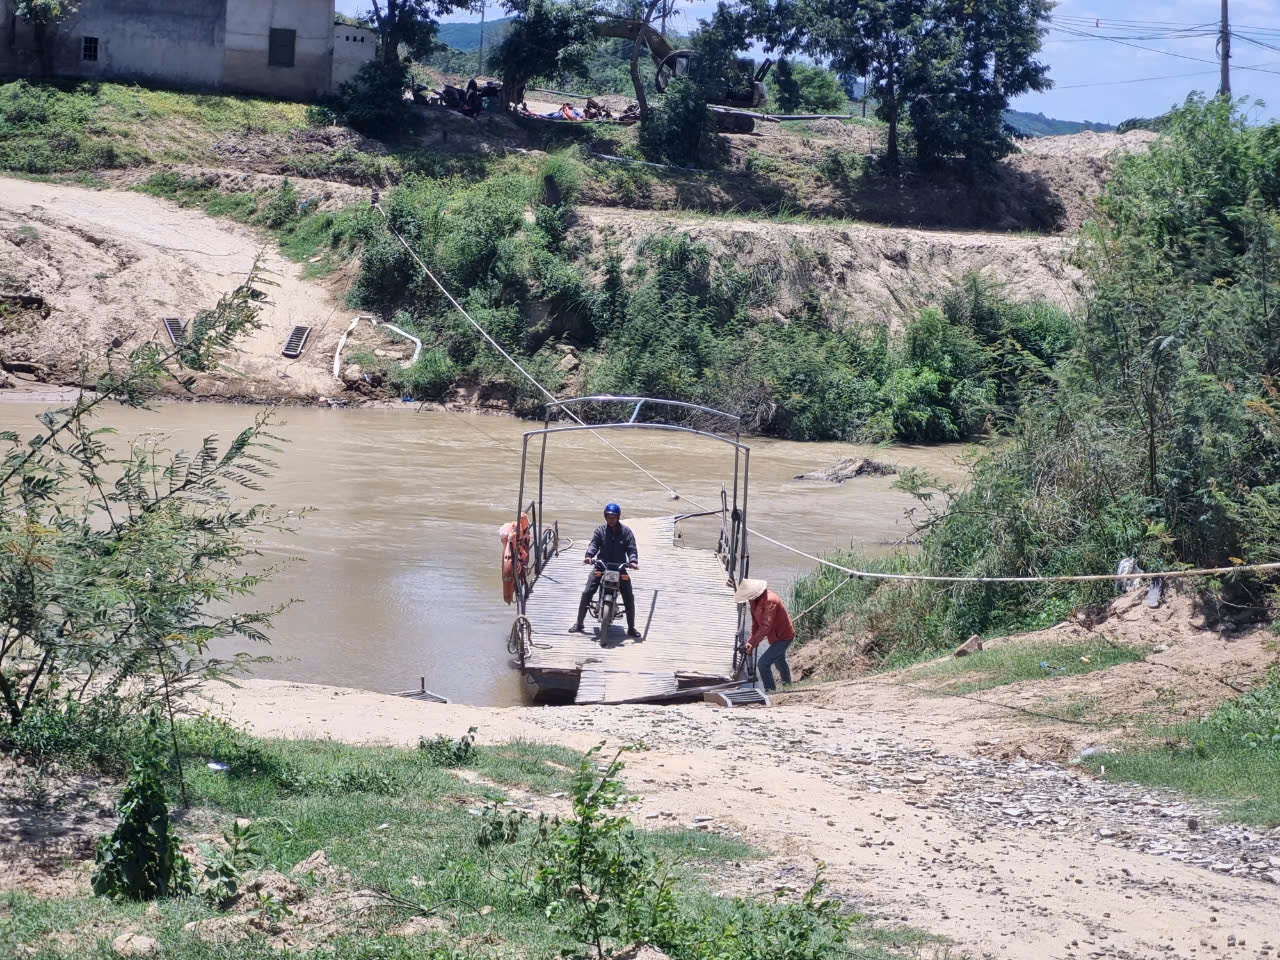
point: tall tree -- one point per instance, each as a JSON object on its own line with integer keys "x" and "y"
{"x": 876, "y": 39}
{"x": 997, "y": 41}
{"x": 411, "y": 24}
{"x": 950, "y": 65}
{"x": 44, "y": 17}
{"x": 547, "y": 39}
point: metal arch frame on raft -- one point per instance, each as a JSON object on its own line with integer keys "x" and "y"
{"x": 563, "y": 405}
{"x": 640, "y": 402}
{"x": 739, "y": 555}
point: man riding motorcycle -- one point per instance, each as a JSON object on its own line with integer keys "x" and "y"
{"x": 612, "y": 543}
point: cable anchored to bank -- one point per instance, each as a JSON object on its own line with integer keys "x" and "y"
{"x": 1065, "y": 578}
{"x": 850, "y": 572}
{"x": 510, "y": 359}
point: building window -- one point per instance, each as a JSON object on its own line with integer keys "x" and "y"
{"x": 89, "y": 48}
{"x": 281, "y": 48}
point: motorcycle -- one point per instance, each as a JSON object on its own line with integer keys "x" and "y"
{"x": 609, "y": 596}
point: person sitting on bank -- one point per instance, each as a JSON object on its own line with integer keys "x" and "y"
{"x": 612, "y": 542}
{"x": 769, "y": 621}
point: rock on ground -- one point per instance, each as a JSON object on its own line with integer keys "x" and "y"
{"x": 134, "y": 945}
{"x": 642, "y": 952}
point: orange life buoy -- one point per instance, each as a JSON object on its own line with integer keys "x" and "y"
{"x": 515, "y": 555}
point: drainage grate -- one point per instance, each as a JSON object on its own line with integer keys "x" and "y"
{"x": 176, "y": 329}
{"x": 296, "y": 343}
{"x": 422, "y": 693}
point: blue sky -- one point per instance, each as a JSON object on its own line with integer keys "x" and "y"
{"x": 1086, "y": 72}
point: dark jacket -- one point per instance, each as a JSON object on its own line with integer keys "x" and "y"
{"x": 614, "y": 546}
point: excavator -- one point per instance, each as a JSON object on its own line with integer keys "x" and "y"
{"x": 746, "y": 90}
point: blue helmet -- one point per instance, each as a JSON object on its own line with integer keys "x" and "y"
{"x": 612, "y": 509}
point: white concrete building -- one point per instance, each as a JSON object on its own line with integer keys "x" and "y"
{"x": 284, "y": 48}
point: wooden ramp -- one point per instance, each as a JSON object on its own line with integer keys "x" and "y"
{"x": 689, "y": 637}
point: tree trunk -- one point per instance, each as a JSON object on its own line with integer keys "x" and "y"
{"x": 387, "y": 31}
{"x": 40, "y": 35}
{"x": 891, "y": 118}
{"x": 636, "y": 81}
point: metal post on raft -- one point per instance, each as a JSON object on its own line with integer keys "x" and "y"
{"x": 746, "y": 477}
{"x": 733, "y": 527}
{"x": 537, "y": 527}
{"x": 515, "y": 549}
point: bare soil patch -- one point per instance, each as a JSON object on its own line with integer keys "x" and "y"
{"x": 919, "y": 815}
{"x": 871, "y": 273}
{"x": 115, "y": 265}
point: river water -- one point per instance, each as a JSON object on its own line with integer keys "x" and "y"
{"x": 397, "y": 572}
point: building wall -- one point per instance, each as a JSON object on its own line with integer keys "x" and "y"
{"x": 249, "y": 25}
{"x": 353, "y": 47}
{"x": 214, "y": 44}
{"x": 179, "y": 43}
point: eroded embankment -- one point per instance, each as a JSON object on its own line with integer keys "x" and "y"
{"x": 116, "y": 264}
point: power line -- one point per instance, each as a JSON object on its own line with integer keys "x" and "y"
{"x": 1114, "y": 83}
{"x": 1167, "y": 76}
{"x": 1170, "y": 53}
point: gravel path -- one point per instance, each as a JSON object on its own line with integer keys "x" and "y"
{"x": 1009, "y": 858}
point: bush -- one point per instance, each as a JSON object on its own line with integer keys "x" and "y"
{"x": 282, "y": 208}
{"x": 373, "y": 103}
{"x": 44, "y": 129}
{"x": 1150, "y": 428}
{"x": 443, "y": 752}
{"x": 95, "y": 732}
{"x": 141, "y": 859}
{"x": 804, "y": 88}
{"x": 681, "y": 130}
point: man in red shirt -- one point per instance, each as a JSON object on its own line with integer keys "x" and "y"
{"x": 769, "y": 621}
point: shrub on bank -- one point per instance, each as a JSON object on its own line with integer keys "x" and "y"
{"x": 1148, "y": 429}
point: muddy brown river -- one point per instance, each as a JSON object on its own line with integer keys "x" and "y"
{"x": 398, "y": 576}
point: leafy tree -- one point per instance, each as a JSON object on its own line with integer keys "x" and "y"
{"x": 951, "y": 66}
{"x": 994, "y": 45}
{"x": 548, "y": 40}
{"x": 117, "y": 562}
{"x": 44, "y": 16}
{"x": 408, "y": 23}
{"x": 805, "y": 88}
{"x": 876, "y": 39}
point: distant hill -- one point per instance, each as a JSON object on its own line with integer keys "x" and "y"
{"x": 1038, "y": 125}
{"x": 466, "y": 36}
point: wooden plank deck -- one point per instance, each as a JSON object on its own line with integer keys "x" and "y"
{"x": 691, "y": 633}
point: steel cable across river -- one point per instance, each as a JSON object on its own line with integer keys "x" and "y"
{"x": 399, "y": 575}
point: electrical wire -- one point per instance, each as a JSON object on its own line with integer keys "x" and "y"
{"x": 849, "y": 571}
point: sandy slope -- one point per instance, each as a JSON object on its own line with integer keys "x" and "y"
{"x": 116, "y": 264}
{"x": 868, "y": 272}
{"x": 1010, "y": 857}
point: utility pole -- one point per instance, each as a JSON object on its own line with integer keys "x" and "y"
{"x": 480, "y": 55}
{"x": 1224, "y": 50}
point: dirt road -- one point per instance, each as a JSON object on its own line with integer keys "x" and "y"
{"x": 1009, "y": 858}
{"x": 115, "y": 264}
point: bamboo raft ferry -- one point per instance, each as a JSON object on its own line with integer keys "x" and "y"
{"x": 692, "y": 631}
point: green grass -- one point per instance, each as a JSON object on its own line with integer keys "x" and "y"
{"x": 389, "y": 817}
{"x": 1015, "y": 662}
{"x": 322, "y": 240}
{"x": 69, "y": 127}
{"x": 1231, "y": 757}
